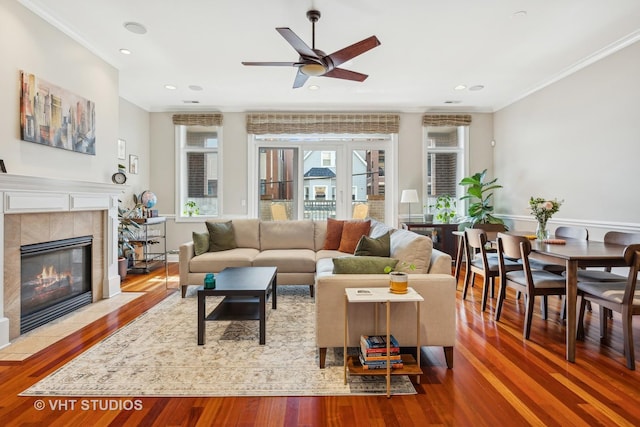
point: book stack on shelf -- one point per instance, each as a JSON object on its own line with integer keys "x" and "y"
{"x": 373, "y": 352}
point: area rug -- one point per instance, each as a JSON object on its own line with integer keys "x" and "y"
{"x": 157, "y": 355}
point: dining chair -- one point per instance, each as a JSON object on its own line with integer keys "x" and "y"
{"x": 530, "y": 282}
{"x": 619, "y": 296}
{"x": 479, "y": 262}
{"x": 278, "y": 212}
{"x": 615, "y": 238}
{"x": 360, "y": 211}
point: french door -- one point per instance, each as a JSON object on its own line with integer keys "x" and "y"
{"x": 316, "y": 178}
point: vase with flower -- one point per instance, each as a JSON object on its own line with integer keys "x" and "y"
{"x": 542, "y": 210}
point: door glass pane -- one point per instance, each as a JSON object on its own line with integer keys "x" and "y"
{"x": 367, "y": 183}
{"x": 277, "y": 175}
{"x": 319, "y": 169}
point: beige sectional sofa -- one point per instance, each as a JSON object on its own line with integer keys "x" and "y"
{"x": 296, "y": 249}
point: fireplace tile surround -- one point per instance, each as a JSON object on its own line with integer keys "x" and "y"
{"x": 38, "y": 209}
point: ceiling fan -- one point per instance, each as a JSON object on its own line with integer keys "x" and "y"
{"x": 314, "y": 62}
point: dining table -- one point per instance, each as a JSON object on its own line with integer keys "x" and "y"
{"x": 576, "y": 254}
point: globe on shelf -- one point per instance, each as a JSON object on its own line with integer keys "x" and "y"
{"x": 148, "y": 199}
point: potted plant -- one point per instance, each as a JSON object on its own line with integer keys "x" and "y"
{"x": 126, "y": 231}
{"x": 479, "y": 194}
{"x": 398, "y": 280}
{"x": 445, "y": 208}
{"x": 191, "y": 208}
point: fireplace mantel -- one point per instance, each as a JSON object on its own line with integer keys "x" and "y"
{"x": 21, "y": 194}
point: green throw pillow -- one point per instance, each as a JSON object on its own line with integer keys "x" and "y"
{"x": 221, "y": 236}
{"x": 362, "y": 264}
{"x": 368, "y": 246}
{"x": 200, "y": 242}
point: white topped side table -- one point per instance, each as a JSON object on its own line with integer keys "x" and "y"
{"x": 382, "y": 295}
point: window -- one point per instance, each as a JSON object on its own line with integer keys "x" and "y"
{"x": 445, "y": 154}
{"x": 199, "y": 154}
{"x": 318, "y": 191}
{"x": 328, "y": 158}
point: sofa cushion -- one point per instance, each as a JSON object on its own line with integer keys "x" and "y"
{"x": 334, "y": 234}
{"x": 362, "y": 264}
{"x": 200, "y": 242}
{"x": 287, "y": 235}
{"x": 379, "y": 228}
{"x": 320, "y": 233}
{"x": 369, "y": 246}
{"x": 287, "y": 260}
{"x": 324, "y": 266}
{"x": 410, "y": 248}
{"x": 221, "y": 236}
{"x": 213, "y": 262}
{"x": 247, "y": 232}
{"x": 352, "y": 231}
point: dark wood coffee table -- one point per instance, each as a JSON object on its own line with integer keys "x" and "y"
{"x": 245, "y": 290}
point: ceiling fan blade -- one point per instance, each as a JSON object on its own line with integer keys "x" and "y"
{"x": 300, "y": 80}
{"x": 341, "y": 73}
{"x": 297, "y": 43}
{"x": 275, "y": 64}
{"x": 349, "y": 52}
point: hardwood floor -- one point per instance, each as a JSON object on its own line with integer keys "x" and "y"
{"x": 497, "y": 379}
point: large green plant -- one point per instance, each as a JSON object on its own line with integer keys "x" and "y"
{"x": 479, "y": 194}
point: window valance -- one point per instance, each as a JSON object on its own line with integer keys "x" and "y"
{"x": 446, "y": 120}
{"x": 207, "y": 119}
{"x": 280, "y": 123}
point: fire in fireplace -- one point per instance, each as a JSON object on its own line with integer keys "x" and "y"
{"x": 55, "y": 280}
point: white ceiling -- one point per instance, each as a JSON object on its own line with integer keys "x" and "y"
{"x": 428, "y": 47}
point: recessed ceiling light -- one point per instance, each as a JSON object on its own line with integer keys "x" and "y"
{"x": 125, "y": 51}
{"x": 191, "y": 102}
{"x": 135, "y": 27}
{"x": 460, "y": 87}
{"x": 476, "y": 87}
{"x": 170, "y": 87}
{"x": 314, "y": 87}
{"x": 195, "y": 87}
{"x": 452, "y": 102}
{"x": 519, "y": 14}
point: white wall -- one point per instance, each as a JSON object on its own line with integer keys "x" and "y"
{"x": 577, "y": 140}
{"x": 234, "y": 170}
{"x": 28, "y": 43}
{"x": 134, "y": 129}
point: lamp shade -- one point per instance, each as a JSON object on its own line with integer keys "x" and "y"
{"x": 409, "y": 196}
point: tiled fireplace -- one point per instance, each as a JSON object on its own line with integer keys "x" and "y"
{"x": 38, "y": 210}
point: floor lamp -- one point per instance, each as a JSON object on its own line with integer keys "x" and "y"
{"x": 409, "y": 196}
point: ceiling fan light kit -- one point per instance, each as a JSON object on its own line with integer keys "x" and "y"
{"x": 314, "y": 62}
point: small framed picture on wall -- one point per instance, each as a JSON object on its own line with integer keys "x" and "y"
{"x": 122, "y": 149}
{"x": 133, "y": 164}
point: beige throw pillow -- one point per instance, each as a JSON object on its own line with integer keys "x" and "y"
{"x": 410, "y": 248}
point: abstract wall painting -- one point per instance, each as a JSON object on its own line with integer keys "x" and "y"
{"x": 50, "y": 115}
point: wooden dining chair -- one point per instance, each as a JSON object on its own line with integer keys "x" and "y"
{"x": 530, "y": 282}
{"x": 619, "y": 296}
{"x": 278, "y": 212}
{"x": 360, "y": 211}
{"x": 478, "y": 262}
{"x": 614, "y": 238}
